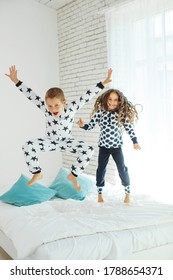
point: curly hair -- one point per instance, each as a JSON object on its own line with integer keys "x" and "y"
{"x": 125, "y": 108}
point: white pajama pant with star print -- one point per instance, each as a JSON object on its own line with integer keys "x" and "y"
{"x": 83, "y": 151}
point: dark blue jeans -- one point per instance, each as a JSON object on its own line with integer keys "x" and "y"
{"x": 117, "y": 154}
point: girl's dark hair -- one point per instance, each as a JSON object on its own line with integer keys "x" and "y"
{"x": 125, "y": 108}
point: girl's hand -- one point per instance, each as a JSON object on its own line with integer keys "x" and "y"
{"x": 136, "y": 146}
{"x": 13, "y": 74}
{"x": 80, "y": 122}
{"x": 108, "y": 78}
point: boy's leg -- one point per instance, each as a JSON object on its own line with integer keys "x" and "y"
{"x": 31, "y": 149}
{"x": 84, "y": 153}
{"x": 36, "y": 177}
{"x": 103, "y": 159}
{"x": 72, "y": 178}
{"x": 118, "y": 157}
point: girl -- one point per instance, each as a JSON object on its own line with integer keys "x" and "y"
{"x": 113, "y": 113}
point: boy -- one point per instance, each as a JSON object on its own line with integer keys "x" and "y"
{"x": 59, "y": 121}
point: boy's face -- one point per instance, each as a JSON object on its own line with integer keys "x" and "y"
{"x": 112, "y": 101}
{"x": 55, "y": 106}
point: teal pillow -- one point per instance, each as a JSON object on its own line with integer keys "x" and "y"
{"x": 22, "y": 195}
{"x": 65, "y": 189}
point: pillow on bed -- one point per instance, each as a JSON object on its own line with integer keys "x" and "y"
{"x": 65, "y": 189}
{"x": 22, "y": 195}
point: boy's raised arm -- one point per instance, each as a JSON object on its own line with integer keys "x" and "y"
{"x": 13, "y": 74}
{"x": 77, "y": 104}
{"x": 28, "y": 92}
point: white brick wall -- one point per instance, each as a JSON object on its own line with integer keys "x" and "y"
{"x": 83, "y": 62}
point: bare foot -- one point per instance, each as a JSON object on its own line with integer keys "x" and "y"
{"x": 100, "y": 198}
{"x": 35, "y": 178}
{"x": 73, "y": 179}
{"x": 127, "y": 198}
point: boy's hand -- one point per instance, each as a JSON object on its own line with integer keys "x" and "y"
{"x": 13, "y": 74}
{"x": 80, "y": 122}
{"x": 108, "y": 78}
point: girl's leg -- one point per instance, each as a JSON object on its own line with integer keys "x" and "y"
{"x": 118, "y": 157}
{"x": 103, "y": 159}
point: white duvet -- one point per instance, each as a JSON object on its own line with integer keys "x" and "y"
{"x": 31, "y": 226}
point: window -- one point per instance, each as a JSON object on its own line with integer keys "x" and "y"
{"x": 140, "y": 49}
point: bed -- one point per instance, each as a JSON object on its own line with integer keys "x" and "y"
{"x": 86, "y": 230}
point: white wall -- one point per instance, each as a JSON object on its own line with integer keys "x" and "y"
{"x": 28, "y": 32}
{"x": 83, "y": 61}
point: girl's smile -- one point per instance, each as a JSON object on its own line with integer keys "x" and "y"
{"x": 112, "y": 101}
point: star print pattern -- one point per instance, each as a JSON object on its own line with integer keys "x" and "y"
{"x": 80, "y": 148}
{"x": 58, "y": 131}
{"x": 110, "y": 129}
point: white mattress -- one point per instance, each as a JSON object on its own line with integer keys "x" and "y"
{"x": 68, "y": 229}
{"x": 97, "y": 247}
{"x": 111, "y": 245}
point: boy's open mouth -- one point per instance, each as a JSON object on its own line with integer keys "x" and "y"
{"x": 55, "y": 113}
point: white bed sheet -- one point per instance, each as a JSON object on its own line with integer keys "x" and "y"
{"x": 72, "y": 223}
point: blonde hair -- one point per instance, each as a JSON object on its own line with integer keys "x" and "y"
{"x": 55, "y": 92}
{"x": 125, "y": 108}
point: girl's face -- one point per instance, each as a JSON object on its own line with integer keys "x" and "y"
{"x": 112, "y": 101}
{"x": 55, "y": 106}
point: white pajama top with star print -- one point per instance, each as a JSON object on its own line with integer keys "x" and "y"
{"x": 59, "y": 128}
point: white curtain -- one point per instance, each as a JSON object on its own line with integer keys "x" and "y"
{"x": 140, "y": 49}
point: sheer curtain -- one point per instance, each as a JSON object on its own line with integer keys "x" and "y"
{"x": 140, "y": 49}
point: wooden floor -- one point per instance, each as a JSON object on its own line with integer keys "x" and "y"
{"x": 4, "y": 255}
